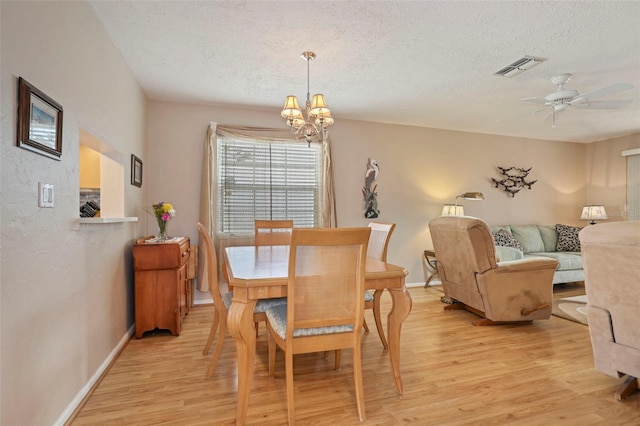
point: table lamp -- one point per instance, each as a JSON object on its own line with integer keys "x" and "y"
{"x": 593, "y": 213}
{"x": 452, "y": 210}
{"x": 456, "y": 210}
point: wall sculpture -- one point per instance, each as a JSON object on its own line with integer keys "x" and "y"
{"x": 369, "y": 190}
{"x": 514, "y": 179}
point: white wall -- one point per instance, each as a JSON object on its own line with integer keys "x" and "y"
{"x": 66, "y": 289}
{"x": 421, "y": 169}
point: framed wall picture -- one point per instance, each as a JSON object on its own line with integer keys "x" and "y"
{"x": 136, "y": 171}
{"x": 39, "y": 121}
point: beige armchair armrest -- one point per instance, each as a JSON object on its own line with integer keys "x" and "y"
{"x": 505, "y": 254}
{"x": 518, "y": 290}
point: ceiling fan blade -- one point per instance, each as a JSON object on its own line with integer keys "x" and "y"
{"x": 586, "y": 104}
{"x": 535, "y": 100}
{"x": 512, "y": 117}
{"x": 605, "y": 91}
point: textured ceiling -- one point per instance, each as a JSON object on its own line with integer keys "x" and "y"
{"x": 420, "y": 63}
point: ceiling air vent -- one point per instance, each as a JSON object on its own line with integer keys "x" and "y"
{"x": 519, "y": 66}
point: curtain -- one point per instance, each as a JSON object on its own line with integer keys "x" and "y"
{"x": 633, "y": 187}
{"x": 208, "y": 189}
{"x": 329, "y": 217}
{"x": 207, "y": 200}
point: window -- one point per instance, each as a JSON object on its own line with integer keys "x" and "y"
{"x": 273, "y": 180}
{"x": 101, "y": 176}
{"x": 633, "y": 183}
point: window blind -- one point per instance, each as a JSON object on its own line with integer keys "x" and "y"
{"x": 267, "y": 180}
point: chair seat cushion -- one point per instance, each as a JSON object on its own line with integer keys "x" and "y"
{"x": 261, "y": 305}
{"x": 264, "y": 304}
{"x": 277, "y": 316}
{"x": 368, "y": 297}
{"x": 566, "y": 260}
{"x": 226, "y": 299}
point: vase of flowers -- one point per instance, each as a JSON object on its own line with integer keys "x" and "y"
{"x": 163, "y": 212}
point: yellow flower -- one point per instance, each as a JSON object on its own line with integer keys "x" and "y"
{"x": 162, "y": 211}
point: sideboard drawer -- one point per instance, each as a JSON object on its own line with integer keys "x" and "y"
{"x": 154, "y": 256}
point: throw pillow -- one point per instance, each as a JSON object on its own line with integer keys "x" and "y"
{"x": 567, "y": 238}
{"x": 505, "y": 239}
{"x": 529, "y": 237}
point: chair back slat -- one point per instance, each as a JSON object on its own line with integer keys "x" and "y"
{"x": 379, "y": 240}
{"x": 273, "y": 232}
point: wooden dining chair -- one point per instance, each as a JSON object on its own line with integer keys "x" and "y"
{"x": 325, "y": 307}
{"x": 273, "y": 232}
{"x": 378, "y": 244}
{"x": 222, "y": 302}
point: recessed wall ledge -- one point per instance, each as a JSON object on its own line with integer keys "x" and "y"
{"x": 96, "y": 220}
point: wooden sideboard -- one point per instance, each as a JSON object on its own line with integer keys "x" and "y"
{"x": 162, "y": 294}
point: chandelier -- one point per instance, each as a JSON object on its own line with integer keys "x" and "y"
{"x": 313, "y": 126}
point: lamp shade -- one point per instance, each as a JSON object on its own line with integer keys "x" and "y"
{"x": 452, "y": 210}
{"x": 472, "y": 196}
{"x": 324, "y": 120}
{"x": 291, "y": 109}
{"x": 593, "y": 213}
{"x": 319, "y": 106}
{"x": 297, "y": 123}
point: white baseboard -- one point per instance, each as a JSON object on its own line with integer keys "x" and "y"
{"x": 208, "y": 301}
{"x": 77, "y": 400}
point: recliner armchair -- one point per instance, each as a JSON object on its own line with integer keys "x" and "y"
{"x": 611, "y": 259}
{"x": 518, "y": 290}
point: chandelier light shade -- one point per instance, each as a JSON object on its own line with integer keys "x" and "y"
{"x": 319, "y": 106}
{"x": 291, "y": 108}
{"x": 312, "y": 126}
{"x": 593, "y": 213}
{"x": 328, "y": 120}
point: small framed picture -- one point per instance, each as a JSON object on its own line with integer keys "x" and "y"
{"x": 136, "y": 171}
{"x": 39, "y": 121}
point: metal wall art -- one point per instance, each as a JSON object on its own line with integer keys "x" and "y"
{"x": 369, "y": 190}
{"x": 514, "y": 179}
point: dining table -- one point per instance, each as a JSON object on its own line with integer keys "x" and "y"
{"x": 261, "y": 272}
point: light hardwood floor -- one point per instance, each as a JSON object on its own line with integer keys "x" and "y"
{"x": 454, "y": 374}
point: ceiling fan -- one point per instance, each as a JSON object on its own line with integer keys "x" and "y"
{"x": 562, "y": 99}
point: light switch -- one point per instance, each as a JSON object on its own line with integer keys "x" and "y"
{"x": 45, "y": 194}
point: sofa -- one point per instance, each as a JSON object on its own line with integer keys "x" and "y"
{"x": 558, "y": 242}
{"x": 611, "y": 254}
